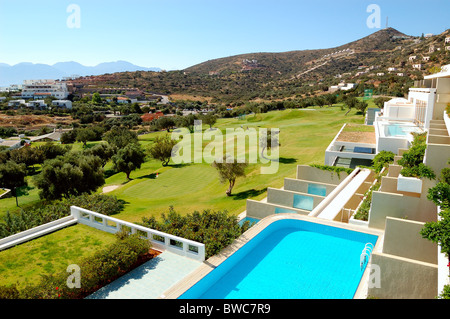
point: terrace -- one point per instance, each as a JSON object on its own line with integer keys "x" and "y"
{"x": 315, "y": 192}
{"x": 394, "y": 125}
{"x": 353, "y": 146}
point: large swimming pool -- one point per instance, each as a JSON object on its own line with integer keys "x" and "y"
{"x": 290, "y": 259}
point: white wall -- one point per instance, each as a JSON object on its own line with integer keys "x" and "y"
{"x": 159, "y": 240}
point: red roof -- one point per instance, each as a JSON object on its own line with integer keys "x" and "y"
{"x": 151, "y": 116}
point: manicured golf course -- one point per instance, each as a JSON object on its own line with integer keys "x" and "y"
{"x": 304, "y": 136}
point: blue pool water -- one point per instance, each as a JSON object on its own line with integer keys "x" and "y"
{"x": 395, "y": 130}
{"x": 400, "y": 130}
{"x": 303, "y": 202}
{"x": 290, "y": 259}
{"x": 315, "y": 189}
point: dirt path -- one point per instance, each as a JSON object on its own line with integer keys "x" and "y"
{"x": 108, "y": 189}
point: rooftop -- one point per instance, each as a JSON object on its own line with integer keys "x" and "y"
{"x": 357, "y": 134}
{"x": 445, "y": 73}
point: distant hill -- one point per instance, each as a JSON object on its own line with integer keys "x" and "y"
{"x": 297, "y": 61}
{"x": 16, "y": 74}
{"x": 380, "y": 61}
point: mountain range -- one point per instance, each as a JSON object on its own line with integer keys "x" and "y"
{"x": 16, "y": 74}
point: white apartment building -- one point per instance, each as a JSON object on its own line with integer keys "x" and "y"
{"x": 342, "y": 86}
{"x": 420, "y": 112}
{"x": 425, "y": 105}
{"x": 38, "y": 89}
{"x": 62, "y": 103}
{"x": 37, "y": 104}
{"x": 16, "y": 102}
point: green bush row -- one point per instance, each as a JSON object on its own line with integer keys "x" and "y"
{"x": 12, "y": 224}
{"x": 216, "y": 230}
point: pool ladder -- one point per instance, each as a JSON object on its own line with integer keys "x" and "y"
{"x": 365, "y": 255}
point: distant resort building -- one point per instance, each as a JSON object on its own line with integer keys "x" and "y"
{"x": 54, "y": 136}
{"x": 38, "y": 89}
{"x": 393, "y": 124}
{"x": 342, "y": 86}
{"x": 11, "y": 143}
{"x": 62, "y": 103}
{"x": 36, "y": 104}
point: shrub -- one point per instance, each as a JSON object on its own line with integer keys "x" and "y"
{"x": 445, "y": 175}
{"x": 382, "y": 159}
{"x": 14, "y": 223}
{"x": 9, "y": 292}
{"x": 214, "y": 229}
{"x": 71, "y": 174}
{"x": 335, "y": 169}
{"x": 445, "y": 294}
{"x": 440, "y": 195}
{"x": 421, "y": 170}
{"x": 412, "y": 160}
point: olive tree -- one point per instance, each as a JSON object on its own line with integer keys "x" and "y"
{"x": 128, "y": 159}
{"x": 71, "y": 174}
{"x": 12, "y": 176}
{"x": 163, "y": 148}
{"x": 229, "y": 170}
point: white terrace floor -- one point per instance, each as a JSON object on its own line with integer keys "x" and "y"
{"x": 149, "y": 280}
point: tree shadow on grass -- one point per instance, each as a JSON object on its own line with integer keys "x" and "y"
{"x": 249, "y": 194}
{"x": 286, "y": 160}
{"x": 23, "y": 191}
{"x": 109, "y": 172}
{"x": 149, "y": 176}
{"x": 179, "y": 165}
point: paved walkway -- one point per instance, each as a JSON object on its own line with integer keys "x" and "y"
{"x": 149, "y": 280}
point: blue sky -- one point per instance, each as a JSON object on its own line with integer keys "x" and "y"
{"x": 175, "y": 34}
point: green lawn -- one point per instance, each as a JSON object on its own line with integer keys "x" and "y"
{"x": 49, "y": 254}
{"x": 304, "y": 136}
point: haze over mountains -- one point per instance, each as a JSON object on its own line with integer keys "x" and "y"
{"x": 15, "y": 74}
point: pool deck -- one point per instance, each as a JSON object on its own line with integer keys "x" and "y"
{"x": 149, "y": 280}
{"x": 206, "y": 267}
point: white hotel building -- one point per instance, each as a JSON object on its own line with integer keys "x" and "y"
{"x": 423, "y": 110}
{"x": 39, "y": 89}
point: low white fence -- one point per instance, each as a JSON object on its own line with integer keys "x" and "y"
{"x": 35, "y": 232}
{"x": 159, "y": 240}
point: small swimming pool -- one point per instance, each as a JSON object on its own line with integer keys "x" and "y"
{"x": 401, "y": 130}
{"x": 289, "y": 259}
